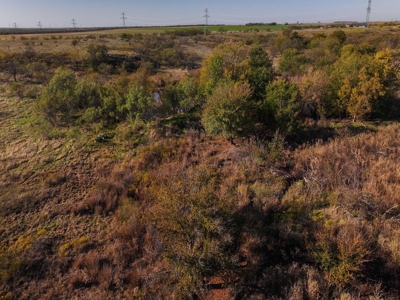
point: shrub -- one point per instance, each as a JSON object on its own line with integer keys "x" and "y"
{"x": 342, "y": 247}
{"x": 39, "y": 71}
{"x": 58, "y": 103}
{"x": 18, "y": 89}
{"x": 188, "y": 93}
{"x": 228, "y": 111}
{"x": 194, "y": 224}
{"x": 74, "y": 42}
{"x": 293, "y": 62}
{"x": 227, "y": 62}
{"x": 281, "y": 107}
{"x": 364, "y": 81}
{"x": 261, "y": 72}
{"x": 97, "y": 54}
{"x": 87, "y": 93}
{"x": 314, "y": 92}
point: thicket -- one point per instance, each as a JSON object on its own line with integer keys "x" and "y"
{"x": 278, "y": 215}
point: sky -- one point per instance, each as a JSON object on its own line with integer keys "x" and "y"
{"x": 88, "y": 13}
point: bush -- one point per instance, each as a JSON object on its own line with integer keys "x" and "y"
{"x": 58, "y": 103}
{"x": 293, "y": 62}
{"x": 18, "y": 89}
{"x": 227, "y": 62}
{"x": 97, "y": 54}
{"x": 188, "y": 94}
{"x": 228, "y": 111}
{"x": 363, "y": 82}
{"x": 281, "y": 107}
{"x": 341, "y": 248}
{"x": 261, "y": 72}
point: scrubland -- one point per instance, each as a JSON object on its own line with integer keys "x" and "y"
{"x": 267, "y": 169}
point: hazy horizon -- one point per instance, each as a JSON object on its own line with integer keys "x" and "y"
{"x": 102, "y": 13}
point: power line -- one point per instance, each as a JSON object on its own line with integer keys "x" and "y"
{"x": 123, "y": 19}
{"x": 73, "y": 23}
{"x": 206, "y": 25}
{"x": 368, "y": 13}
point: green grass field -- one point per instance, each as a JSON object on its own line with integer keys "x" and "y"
{"x": 213, "y": 28}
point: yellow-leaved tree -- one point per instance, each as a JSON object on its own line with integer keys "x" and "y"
{"x": 366, "y": 81}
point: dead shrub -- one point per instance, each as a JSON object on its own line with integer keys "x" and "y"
{"x": 55, "y": 179}
{"x": 107, "y": 194}
{"x": 90, "y": 269}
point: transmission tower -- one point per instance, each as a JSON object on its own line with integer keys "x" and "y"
{"x": 73, "y": 23}
{"x": 39, "y": 25}
{"x": 368, "y": 13}
{"x": 206, "y": 25}
{"x": 123, "y": 19}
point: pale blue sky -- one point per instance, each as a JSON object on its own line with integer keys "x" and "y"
{"x": 59, "y": 13}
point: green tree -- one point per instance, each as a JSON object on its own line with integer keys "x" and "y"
{"x": 344, "y": 75}
{"x": 293, "y": 62}
{"x": 126, "y": 96}
{"x": 238, "y": 63}
{"x": 58, "y": 103}
{"x": 137, "y": 101}
{"x": 188, "y": 93}
{"x": 227, "y": 62}
{"x": 87, "y": 93}
{"x": 281, "y": 107}
{"x": 39, "y": 71}
{"x": 261, "y": 71}
{"x": 228, "y": 111}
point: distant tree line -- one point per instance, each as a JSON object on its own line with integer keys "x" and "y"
{"x": 261, "y": 24}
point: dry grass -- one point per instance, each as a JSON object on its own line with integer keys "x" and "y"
{"x": 362, "y": 168}
{"x": 299, "y": 225}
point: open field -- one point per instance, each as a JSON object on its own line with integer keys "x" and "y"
{"x": 211, "y": 28}
{"x": 151, "y": 29}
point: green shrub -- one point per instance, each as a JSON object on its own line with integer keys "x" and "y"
{"x": 58, "y": 103}
{"x": 293, "y": 62}
{"x": 87, "y": 93}
{"x": 228, "y": 111}
{"x": 281, "y": 107}
{"x": 189, "y": 94}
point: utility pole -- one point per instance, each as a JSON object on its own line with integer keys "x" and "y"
{"x": 73, "y": 23}
{"x": 123, "y": 19}
{"x": 39, "y": 25}
{"x": 206, "y": 25}
{"x": 368, "y": 13}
